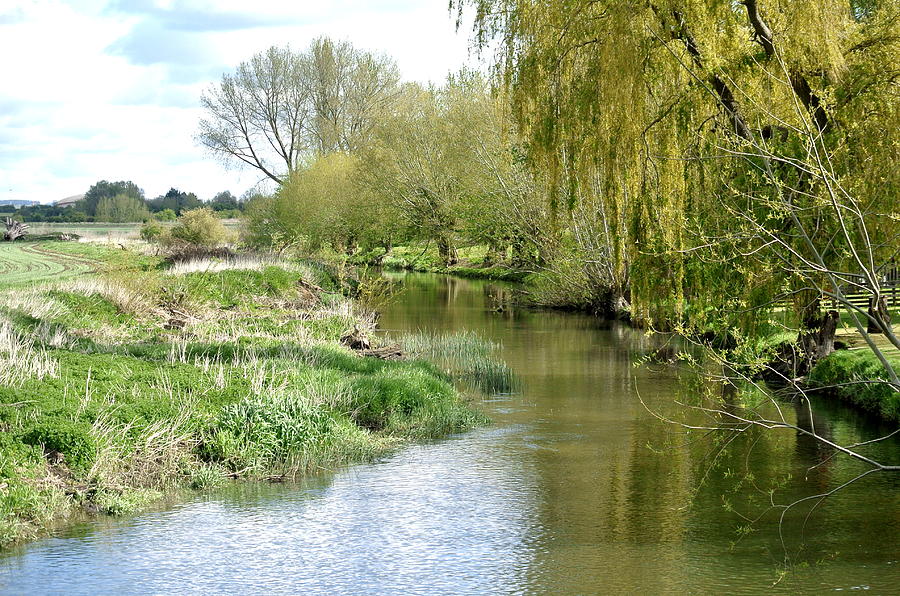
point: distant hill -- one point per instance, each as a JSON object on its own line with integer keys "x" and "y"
{"x": 17, "y": 203}
{"x": 69, "y": 201}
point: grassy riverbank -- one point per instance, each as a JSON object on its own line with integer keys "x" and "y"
{"x": 847, "y": 375}
{"x": 853, "y": 376}
{"x": 142, "y": 379}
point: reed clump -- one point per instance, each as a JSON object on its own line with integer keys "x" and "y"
{"x": 466, "y": 356}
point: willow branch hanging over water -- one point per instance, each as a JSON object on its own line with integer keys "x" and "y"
{"x": 748, "y": 150}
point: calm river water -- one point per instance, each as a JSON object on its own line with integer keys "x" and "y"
{"x": 575, "y": 489}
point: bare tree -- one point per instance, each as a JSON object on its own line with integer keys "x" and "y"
{"x": 349, "y": 88}
{"x": 258, "y": 115}
{"x": 280, "y": 106}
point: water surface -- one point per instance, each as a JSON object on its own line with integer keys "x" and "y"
{"x": 575, "y": 489}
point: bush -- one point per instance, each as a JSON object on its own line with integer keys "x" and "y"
{"x": 151, "y": 231}
{"x": 165, "y": 215}
{"x": 200, "y": 227}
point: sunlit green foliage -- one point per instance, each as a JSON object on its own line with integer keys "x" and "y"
{"x": 719, "y": 145}
{"x": 200, "y": 227}
{"x": 121, "y": 208}
{"x": 107, "y": 190}
{"x": 325, "y": 204}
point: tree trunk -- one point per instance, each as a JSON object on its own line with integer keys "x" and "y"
{"x": 14, "y": 230}
{"x": 493, "y": 255}
{"x": 879, "y": 315}
{"x": 447, "y": 251}
{"x": 621, "y": 308}
{"x": 519, "y": 257}
{"x": 352, "y": 246}
{"x": 816, "y": 336}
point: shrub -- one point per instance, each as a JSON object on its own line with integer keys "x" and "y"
{"x": 151, "y": 231}
{"x": 165, "y": 215}
{"x": 200, "y": 227}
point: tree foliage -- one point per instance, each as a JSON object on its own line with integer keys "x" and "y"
{"x": 702, "y": 131}
{"x": 442, "y": 165}
{"x": 120, "y": 209}
{"x": 224, "y": 201}
{"x": 282, "y": 105}
{"x": 107, "y": 190}
{"x": 325, "y": 204}
{"x": 445, "y": 159}
{"x": 176, "y": 201}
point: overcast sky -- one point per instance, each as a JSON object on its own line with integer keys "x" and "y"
{"x": 109, "y": 89}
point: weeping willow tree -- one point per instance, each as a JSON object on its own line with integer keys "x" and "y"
{"x": 741, "y": 153}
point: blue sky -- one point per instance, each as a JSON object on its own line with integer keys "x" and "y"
{"x": 110, "y": 89}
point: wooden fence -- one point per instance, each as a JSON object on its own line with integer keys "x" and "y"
{"x": 890, "y": 288}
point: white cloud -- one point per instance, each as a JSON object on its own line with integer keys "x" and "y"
{"x": 99, "y": 89}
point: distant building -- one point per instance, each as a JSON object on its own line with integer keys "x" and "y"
{"x": 17, "y": 203}
{"x": 69, "y": 201}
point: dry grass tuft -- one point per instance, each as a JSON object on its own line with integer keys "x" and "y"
{"x": 152, "y": 460}
{"x": 125, "y": 299}
{"x": 21, "y": 360}
{"x": 237, "y": 262}
{"x": 33, "y": 302}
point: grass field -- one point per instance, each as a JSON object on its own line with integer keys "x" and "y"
{"x": 39, "y": 261}
{"x": 87, "y": 230}
{"x": 102, "y": 230}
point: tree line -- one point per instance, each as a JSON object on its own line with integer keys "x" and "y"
{"x": 363, "y": 161}
{"x": 692, "y": 167}
{"x": 124, "y": 201}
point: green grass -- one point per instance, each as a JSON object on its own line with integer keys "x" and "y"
{"x": 91, "y": 230}
{"x": 27, "y": 262}
{"x": 859, "y": 378}
{"x": 101, "y": 230}
{"x": 30, "y": 262}
{"x": 106, "y": 405}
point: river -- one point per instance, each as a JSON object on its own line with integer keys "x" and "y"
{"x": 576, "y": 488}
